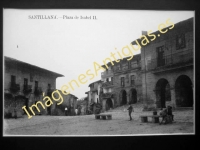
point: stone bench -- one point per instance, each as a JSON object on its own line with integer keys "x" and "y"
{"x": 155, "y": 118}
{"x": 103, "y": 116}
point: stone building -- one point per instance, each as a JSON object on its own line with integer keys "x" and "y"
{"x": 167, "y": 67}
{"x": 122, "y": 82}
{"x": 127, "y": 81}
{"x": 24, "y": 84}
{"x": 83, "y": 103}
{"x": 69, "y": 102}
{"x": 107, "y": 88}
{"x": 93, "y": 94}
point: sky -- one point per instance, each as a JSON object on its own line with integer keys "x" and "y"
{"x": 70, "y": 46}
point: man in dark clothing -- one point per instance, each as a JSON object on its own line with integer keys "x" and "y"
{"x": 130, "y": 109}
{"x": 169, "y": 112}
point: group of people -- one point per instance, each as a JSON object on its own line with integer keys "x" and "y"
{"x": 68, "y": 111}
{"x": 166, "y": 114}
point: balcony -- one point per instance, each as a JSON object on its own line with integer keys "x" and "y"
{"x": 14, "y": 88}
{"x": 107, "y": 84}
{"x": 179, "y": 59}
{"x": 49, "y": 92}
{"x": 107, "y": 73}
{"x": 27, "y": 89}
{"x": 108, "y": 95}
{"x": 38, "y": 91}
{"x": 132, "y": 66}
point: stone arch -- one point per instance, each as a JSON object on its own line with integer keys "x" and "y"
{"x": 109, "y": 104}
{"x": 184, "y": 91}
{"x": 162, "y": 92}
{"x": 123, "y": 97}
{"x": 133, "y": 96}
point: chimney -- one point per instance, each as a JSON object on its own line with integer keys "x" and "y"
{"x": 144, "y": 32}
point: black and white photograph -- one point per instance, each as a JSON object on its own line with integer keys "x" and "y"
{"x": 98, "y": 72}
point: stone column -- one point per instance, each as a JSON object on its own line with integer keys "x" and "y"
{"x": 104, "y": 105}
{"x": 157, "y": 99}
{"x": 127, "y": 97}
{"x": 173, "y": 97}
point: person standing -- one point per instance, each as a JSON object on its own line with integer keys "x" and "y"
{"x": 66, "y": 111}
{"x": 76, "y": 111}
{"x": 130, "y": 110}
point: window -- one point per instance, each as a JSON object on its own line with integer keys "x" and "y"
{"x": 36, "y": 85}
{"x": 124, "y": 66}
{"x": 97, "y": 100}
{"x": 111, "y": 80}
{"x": 107, "y": 79}
{"x": 13, "y": 80}
{"x": 160, "y": 56}
{"x": 31, "y": 77}
{"x": 49, "y": 86}
{"x": 180, "y": 41}
{"x": 92, "y": 85}
{"x": 25, "y": 83}
{"x": 132, "y": 80}
{"x": 122, "y": 81}
{"x": 119, "y": 67}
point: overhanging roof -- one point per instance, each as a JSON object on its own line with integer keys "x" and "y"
{"x": 18, "y": 62}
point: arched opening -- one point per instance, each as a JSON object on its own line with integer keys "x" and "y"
{"x": 184, "y": 91}
{"x": 123, "y": 97}
{"x": 133, "y": 96}
{"x": 163, "y": 93}
{"x": 109, "y": 104}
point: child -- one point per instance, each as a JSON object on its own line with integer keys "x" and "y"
{"x": 130, "y": 109}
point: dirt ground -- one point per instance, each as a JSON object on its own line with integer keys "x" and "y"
{"x": 88, "y": 126}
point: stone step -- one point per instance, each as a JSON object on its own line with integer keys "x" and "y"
{"x": 183, "y": 108}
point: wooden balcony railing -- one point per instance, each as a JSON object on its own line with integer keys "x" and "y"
{"x": 107, "y": 84}
{"x": 14, "y": 87}
{"x": 180, "y": 58}
{"x": 49, "y": 92}
{"x": 108, "y": 95}
{"x": 27, "y": 89}
{"x": 38, "y": 91}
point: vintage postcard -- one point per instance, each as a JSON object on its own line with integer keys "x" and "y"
{"x": 98, "y": 72}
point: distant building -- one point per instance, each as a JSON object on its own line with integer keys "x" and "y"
{"x": 83, "y": 103}
{"x": 167, "y": 67}
{"x": 107, "y": 88}
{"x": 24, "y": 84}
{"x": 94, "y": 92}
{"x": 121, "y": 83}
{"x": 127, "y": 81}
{"x": 93, "y": 95}
{"x": 69, "y": 102}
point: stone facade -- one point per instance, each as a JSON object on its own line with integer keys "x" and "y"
{"x": 69, "y": 102}
{"x": 127, "y": 81}
{"x": 121, "y": 83}
{"x": 167, "y": 68}
{"x": 24, "y": 84}
{"x": 94, "y": 92}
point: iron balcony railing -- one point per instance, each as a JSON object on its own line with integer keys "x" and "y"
{"x": 27, "y": 89}
{"x": 180, "y": 58}
{"x": 108, "y": 95}
{"x": 107, "y": 84}
{"x": 14, "y": 87}
{"x": 107, "y": 73}
{"x": 49, "y": 92}
{"x": 38, "y": 91}
{"x": 129, "y": 67}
